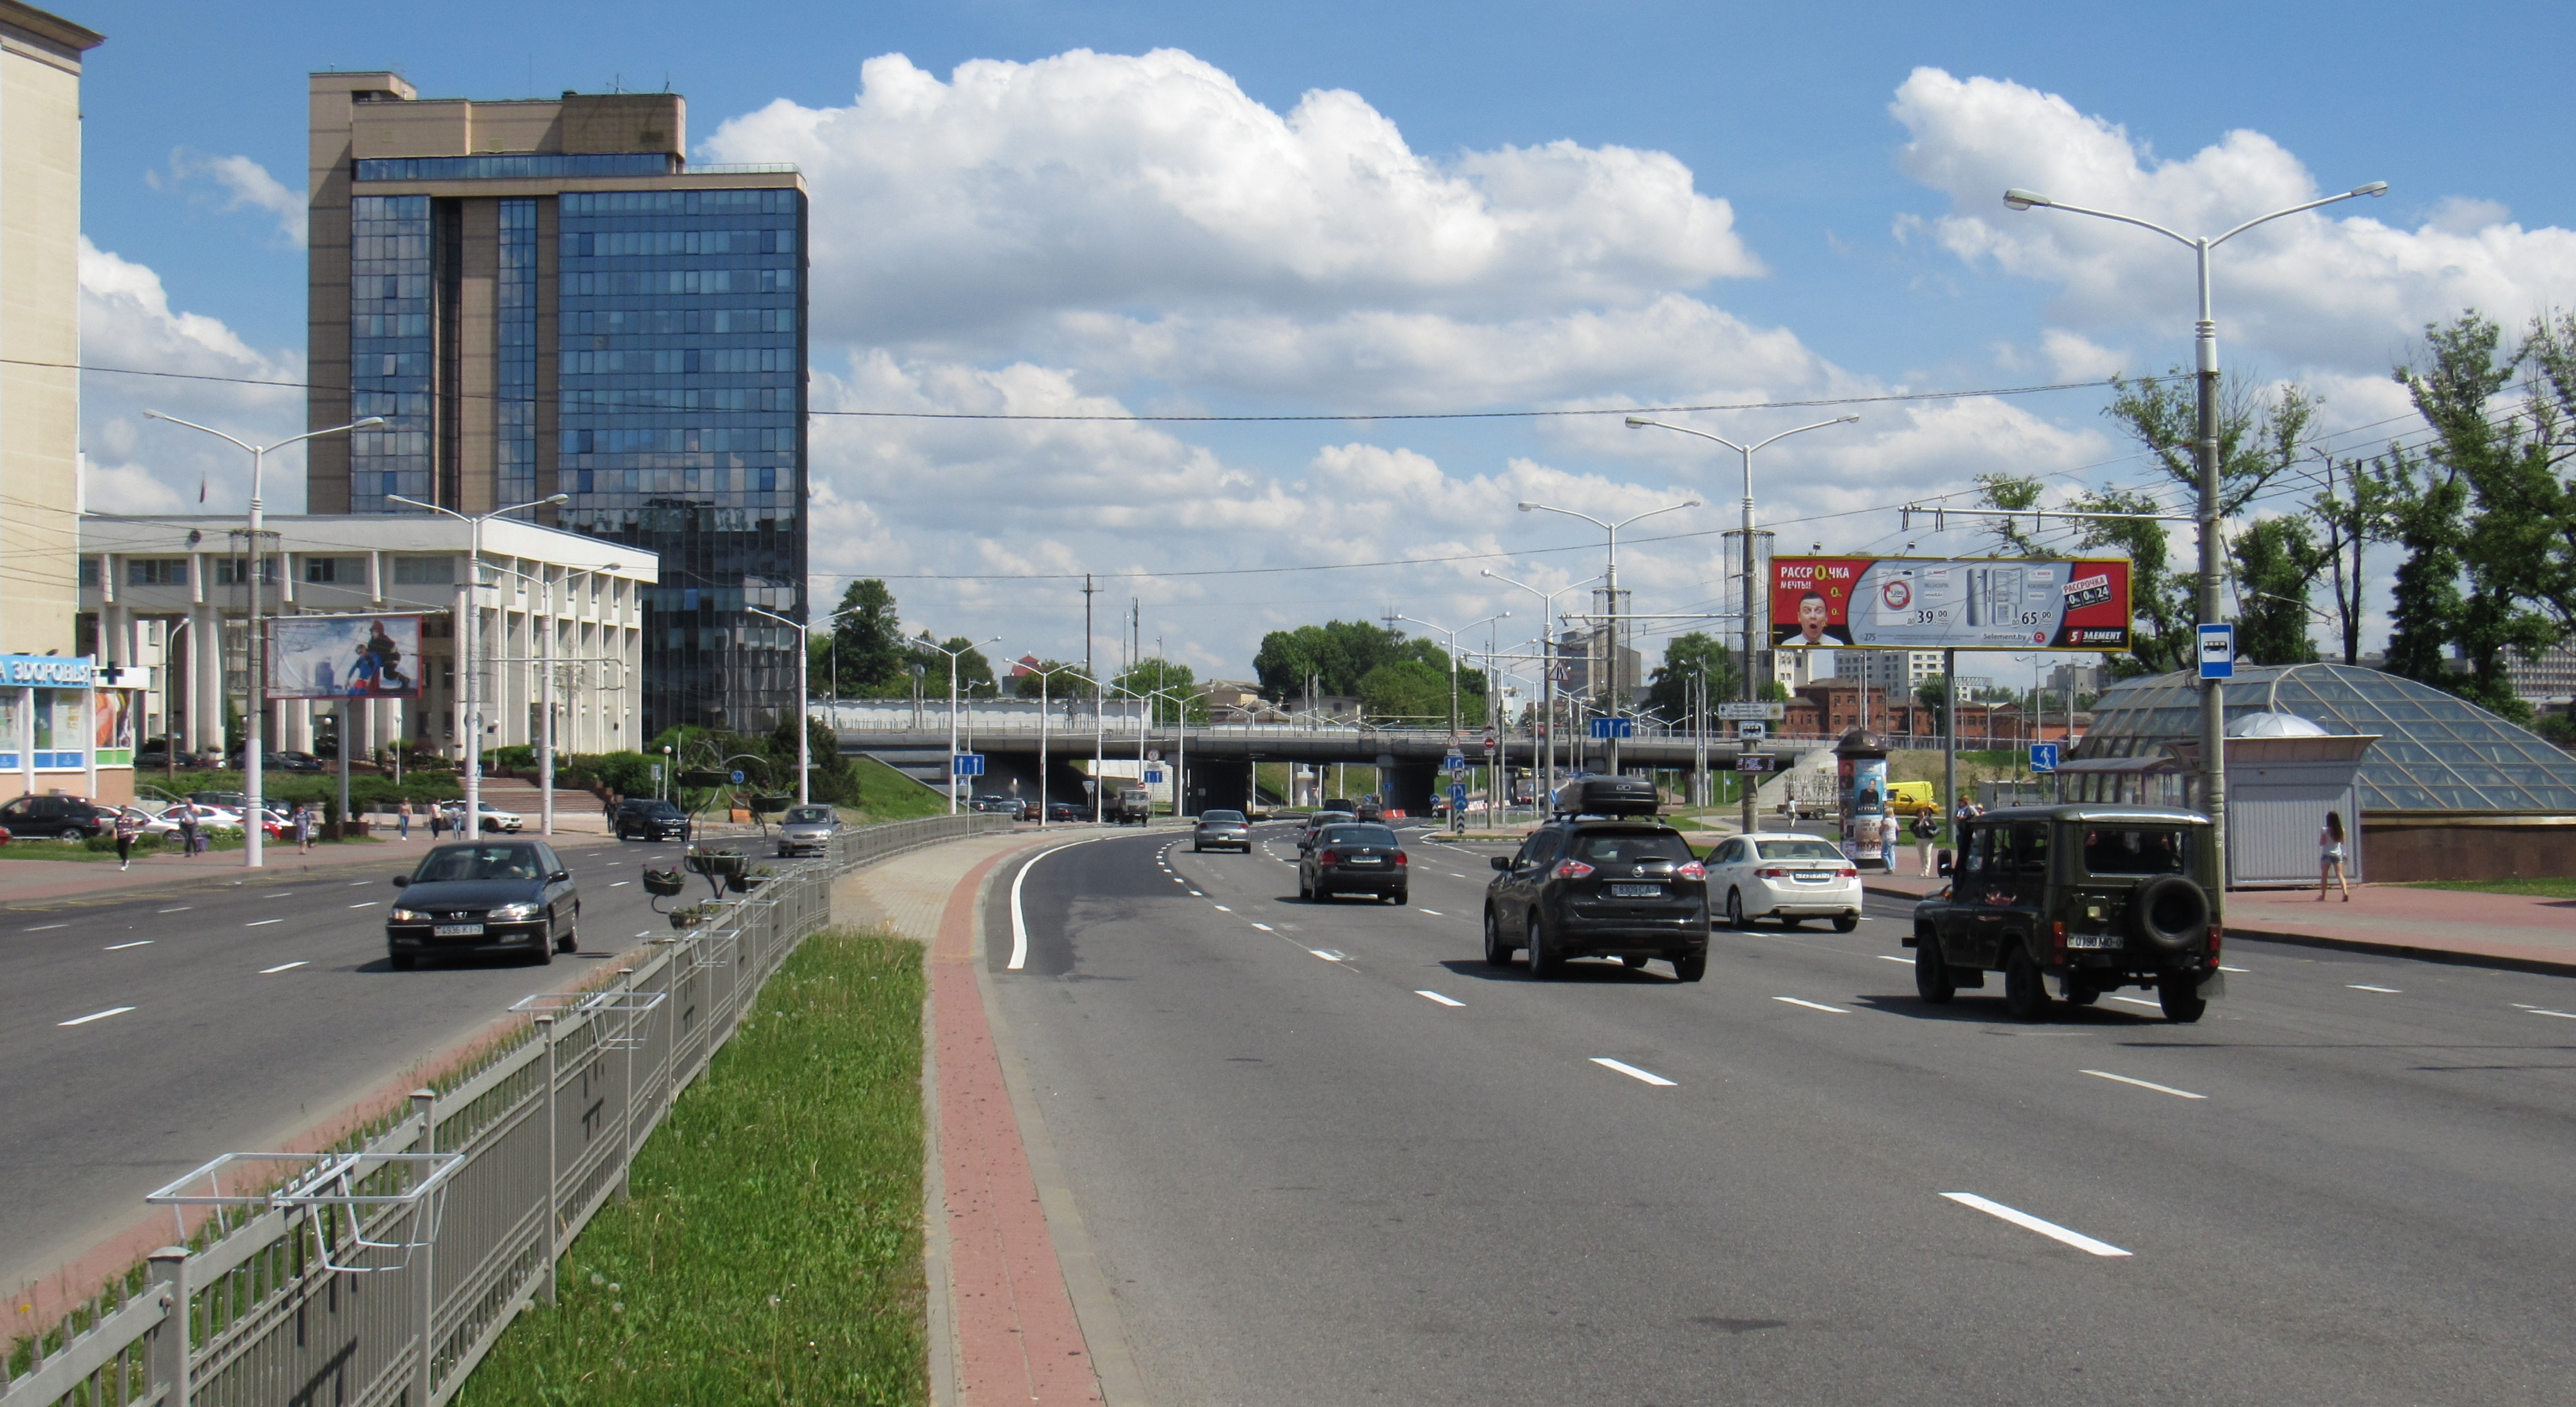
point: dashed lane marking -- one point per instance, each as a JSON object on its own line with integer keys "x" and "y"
{"x": 2543, "y": 1011}
{"x": 137, "y": 943}
{"x": 1814, "y": 1006}
{"x": 621, "y": 884}
{"x": 262, "y": 922}
{"x": 39, "y": 928}
{"x": 1220, "y": 908}
{"x": 1435, "y": 996}
{"x": 1435, "y": 913}
{"x": 95, "y": 1016}
{"x": 2146, "y": 1084}
{"x": 2366, "y": 987}
{"x": 1882, "y": 957}
{"x": 1632, "y": 1072}
{"x": 371, "y": 903}
{"x": 1327, "y": 954}
{"x": 2221, "y": 967}
{"x": 183, "y": 908}
{"x": 2027, "y": 1222}
{"x": 289, "y": 894}
{"x": 281, "y": 967}
{"x": 353, "y": 884}
{"x": 2140, "y": 1001}
{"x": 1266, "y": 928}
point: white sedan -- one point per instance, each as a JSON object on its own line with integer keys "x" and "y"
{"x": 494, "y": 818}
{"x": 1788, "y": 877}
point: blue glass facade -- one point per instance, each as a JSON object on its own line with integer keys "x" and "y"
{"x": 514, "y": 378}
{"x": 390, "y": 350}
{"x": 502, "y": 166}
{"x": 680, "y": 371}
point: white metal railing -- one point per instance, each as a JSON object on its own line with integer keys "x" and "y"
{"x": 350, "y": 1300}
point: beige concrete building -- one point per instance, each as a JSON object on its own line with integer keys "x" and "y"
{"x": 40, "y": 175}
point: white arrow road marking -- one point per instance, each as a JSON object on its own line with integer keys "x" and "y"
{"x": 1631, "y": 1071}
{"x": 2027, "y": 1222}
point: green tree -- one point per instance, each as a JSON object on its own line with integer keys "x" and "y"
{"x": 1054, "y": 678}
{"x": 1409, "y": 691}
{"x": 867, "y": 647}
{"x": 1342, "y": 654}
{"x": 974, "y": 671}
{"x": 1154, "y": 672}
{"x": 2277, "y": 560}
{"x": 1686, "y": 658}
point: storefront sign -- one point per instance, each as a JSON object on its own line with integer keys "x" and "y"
{"x": 48, "y": 671}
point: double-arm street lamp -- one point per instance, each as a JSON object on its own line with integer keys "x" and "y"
{"x": 804, "y": 671}
{"x": 468, "y": 640}
{"x": 952, "y": 704}
{"x": 254, "y": 723}
{"x": 1609, "y": 687}
{"x": 1752, "y": 615}
{"x": 1392, "y": 617}
{"x": 1046, "y": 677}
{"x": 1181, "y": 745}
{"x": 2213, "y": 697}
{"x": 1546, "y": 677}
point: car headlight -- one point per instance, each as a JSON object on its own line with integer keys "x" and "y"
{"x": 508, "y": 912}
{"x": 403, "y": 915}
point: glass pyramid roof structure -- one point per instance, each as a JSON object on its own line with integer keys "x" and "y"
{"x": 2436, "y": 752}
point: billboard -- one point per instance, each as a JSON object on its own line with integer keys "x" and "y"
{"x": 1931, "y": 603}
{"x": 344, "y": 657}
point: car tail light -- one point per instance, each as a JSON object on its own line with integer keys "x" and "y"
{"x": 1572, "y": 869}
{"x": 2215, "y": 934}
{"x": 1847, "y": 872}
{"x": 1329, "y": 857}
{"x": 1692, "y": 870}
{"x": 1771, "y": 872}
{"x": 1403, "y": 859}
{"x": 2057, "y": 939}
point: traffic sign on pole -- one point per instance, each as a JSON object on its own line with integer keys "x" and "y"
{"x": 1622, "y": 728}
{"x": 2218, "y": 651}
{"x": 1753, "y": 762}
{"x": 966, "y": 764}
{"x": 1751, "y": 730}
{"x": 1730, "y": 712}
{"x": 2043, "y": 757}
{"x": 1492, "y": 743}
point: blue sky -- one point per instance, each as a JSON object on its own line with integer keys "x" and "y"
{"x": 1833, "y": 231}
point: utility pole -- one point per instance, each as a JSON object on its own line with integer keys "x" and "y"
{"x": 1950, "y": 743}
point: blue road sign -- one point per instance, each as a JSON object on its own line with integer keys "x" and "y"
{"x": 966, "y": 764}
{"x": 2043, "y": 757}
{"x": 1614, "y": 727}
{"x": 2218, "y": 651}
{"x": 737, "y": 776}
{"x": 1457, "y": 795}
{"x": 1153, "y": 776}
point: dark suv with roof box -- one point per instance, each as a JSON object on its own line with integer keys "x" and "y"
{"x": 1603, "y": 878}
{"x": 2098, "y": 897}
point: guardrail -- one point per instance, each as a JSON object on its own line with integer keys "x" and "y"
{"x": 369, "y": 1283}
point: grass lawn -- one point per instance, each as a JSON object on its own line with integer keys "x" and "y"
{"x": 2540, "y": 888}
{"x": 888, "y": 795}
{"x": 771, "y": 1251}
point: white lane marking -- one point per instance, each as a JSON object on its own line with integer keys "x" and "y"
{"x": 2537, "y": 1011}
{"x": 2133, "y": 1001}
{"x": 183, "y": 908}
{"x": 2221, "y": 967}
{"x": 1220, "y": 908}
{"x": 371, "y": 903}
{"x": 1327, "y": 954}
{"x": 2027, "y": 1222}
{"x": 1019, "y": 920}
{"x": 281, "y": 967}
{"x": 1195, "y": 894}
{"x": 1814, "y": 1006}
{"x": 1266, "y": 928}
{"x": 2146, "y": 1084}
{"x": 262, "y": 923}
{"x": 95, "y": 1016}
{"x": 39, "y": 928}
{"x": 1435, "y": 996}
{"x": 137, "y": 943}
{"x": 1883, "y": 957}
{"x": 2366, "y": 987}
{"x": 1631, "y": 1071}
{"x": 354, "y": 884}
{"x": 1435, "y": 913}
{"x": 1453, "y": 874}
{"x": 621, "y": 884}
{"x": 289, "y": 894}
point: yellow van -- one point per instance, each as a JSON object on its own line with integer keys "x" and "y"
{"x": 1906, "y": 798}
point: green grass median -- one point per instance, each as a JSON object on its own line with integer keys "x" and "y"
{"x": 771, "y": 1250}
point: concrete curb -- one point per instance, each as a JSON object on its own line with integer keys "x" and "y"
{"x": 2369, "y": 947}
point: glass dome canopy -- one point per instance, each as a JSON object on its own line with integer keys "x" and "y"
{"x": 2436, "y": 752}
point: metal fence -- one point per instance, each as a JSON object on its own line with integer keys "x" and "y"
{"x": 372, "y": 1281}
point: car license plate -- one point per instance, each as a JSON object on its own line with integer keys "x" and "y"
{"x": 1636, "y": 891}
{"x": 2093, "y": 940}
{"x": 1366, "y": 860}
{"x": 1804, "y": 876}
{"x": 458, "y": 930}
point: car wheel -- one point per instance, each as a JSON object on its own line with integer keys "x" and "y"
{"x": 1632, "y": 962}
{"x": 2179, "y": 994}
{"x": 1305, "y": 890}
{"x": 1735, "y": 910}
{"x": 2079, "y": 993}
{"x": 400, "y": 962}
{"x": 569, "y": 943}
{"x": 2025, "y": 991}
{"x": 545, "y": 947}
{"x": 1845, "y": 923}
{"x": 1692, "y": 967}
{"x": 1542, "y": 963}
{"x": 1398, "y": 897}
{"x": 1496, "y": 953}
{"x": 1195, "y": 847}
{"x": 1931, "y": 971}
{"x": 72, "y": 835}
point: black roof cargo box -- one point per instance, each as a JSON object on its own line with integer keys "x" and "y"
{"x": 1607, "y": 796}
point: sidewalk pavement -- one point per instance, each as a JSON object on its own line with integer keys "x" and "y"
{"x": 2523, "y": 932}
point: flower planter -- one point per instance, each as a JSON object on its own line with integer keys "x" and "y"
{"x": 664, "y": 883}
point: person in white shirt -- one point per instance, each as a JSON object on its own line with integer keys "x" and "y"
{"x": 2330, "y": 865}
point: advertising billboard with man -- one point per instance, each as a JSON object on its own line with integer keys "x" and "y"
{"x": 1930, "y": 603}
{"x": 344, "y": 657}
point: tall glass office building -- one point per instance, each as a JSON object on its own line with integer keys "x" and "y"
{"x": 541, "y": 298}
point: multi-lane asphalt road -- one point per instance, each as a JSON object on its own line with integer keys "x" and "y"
{"x": 142, "y": 1035}
{"x": 1325, "y": 1154}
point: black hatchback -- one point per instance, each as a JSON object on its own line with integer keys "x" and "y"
{"x": 1355, "y": 859}
{"x": 490, "y": 896}
{"x": 1629, "y": 889}
{"x": 651, "y": 820}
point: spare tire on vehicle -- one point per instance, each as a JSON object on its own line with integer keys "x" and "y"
{"x": 2169, "y": 914}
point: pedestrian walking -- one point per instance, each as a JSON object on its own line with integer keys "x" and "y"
{"x": 437, "y": 823}
{"x": 188, "y": 832}
{"x": 2330, "y": 857}
{"x": 128, "y": 826}
{"x": 304, "y": 828}
{"x": 402, "y": 818}
{"x": 1926, "y": 831}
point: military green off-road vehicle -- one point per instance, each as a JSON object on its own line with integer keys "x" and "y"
{"x": 2098, "y": 897}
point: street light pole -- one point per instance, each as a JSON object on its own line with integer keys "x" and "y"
{"x": 2213, "y": 697}
{"x": 469, "y": 641}
{"x": 1610, "y": 691}
{"x": 1751, "y": 616}
{"x": 952, "y": 708}
{"x": 254, "y": 731}
{"x": 1546, "y": 679}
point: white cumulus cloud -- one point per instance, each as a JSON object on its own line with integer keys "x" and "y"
{"x": 246, "y": 185}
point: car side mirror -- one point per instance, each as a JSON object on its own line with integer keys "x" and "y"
{"x": 1500, "y": 862}
{"x": 558, "y": 876}
{"x": 400, "y": 880}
